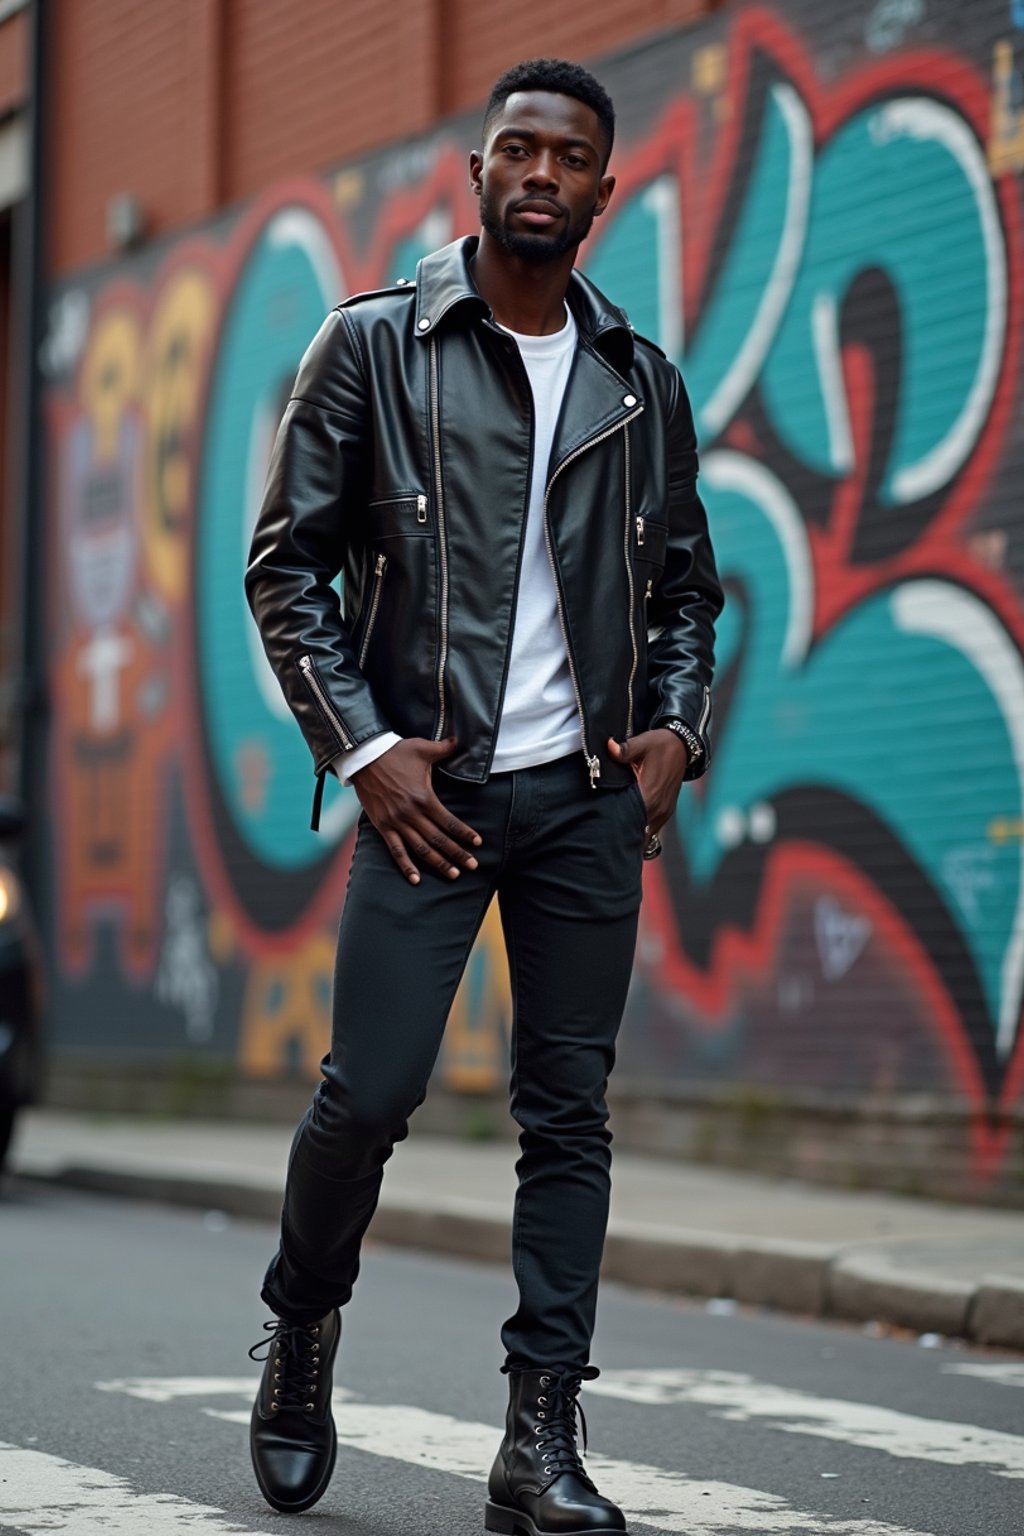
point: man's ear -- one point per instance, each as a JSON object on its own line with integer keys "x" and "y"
{"x": 476, "y": 165}
{"x": 604, "y": 193}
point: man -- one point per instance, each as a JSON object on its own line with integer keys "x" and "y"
{"x": 516, "y": 684}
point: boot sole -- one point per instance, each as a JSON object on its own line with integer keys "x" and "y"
{"x": 310, "y": 1499}
{"x": 513, "y": 1522}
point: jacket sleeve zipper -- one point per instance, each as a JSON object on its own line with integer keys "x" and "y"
{"x": 435, "y": 425}
{"x": 705, "y": 714}
{"x": 593, "y": 762}
{"x": 307, "y": 667}
{"x": 378, "y": 582}
{"x": 629, "y": 577}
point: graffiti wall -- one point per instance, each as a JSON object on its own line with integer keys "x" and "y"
{"x": 818, "y": 215}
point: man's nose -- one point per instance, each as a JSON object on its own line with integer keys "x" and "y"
{"x": 542, "y": 171}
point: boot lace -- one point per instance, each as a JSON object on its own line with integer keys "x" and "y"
{"x": 556, "y": 1431}
{"x": 295, "y": 1352}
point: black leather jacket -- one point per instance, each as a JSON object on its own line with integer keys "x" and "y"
{"x": 403, "y": 461}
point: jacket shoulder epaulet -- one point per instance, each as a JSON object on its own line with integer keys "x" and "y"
{"x": 652, "y": 346}
{"x": 399, "y": 286}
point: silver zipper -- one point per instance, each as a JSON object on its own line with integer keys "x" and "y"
{"x": 378, "y": 582}
{"x": 650, "y": 589}
{"x": 705, "y": 714}
{"x": 308, "y": 670}
{"x": 593, "y": 763}
{"x": 435, "y": 422}
{"x": 397, "y": 501}
{"x": 629, "y": 577}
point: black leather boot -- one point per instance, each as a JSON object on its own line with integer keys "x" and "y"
{"x": 292, "y": 1438}
{"x": 537, "y": 1485}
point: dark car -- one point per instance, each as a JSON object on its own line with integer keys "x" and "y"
{"x": 21, "y": 983}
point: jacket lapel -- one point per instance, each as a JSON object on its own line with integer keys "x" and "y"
{"x": 596, "y": 400}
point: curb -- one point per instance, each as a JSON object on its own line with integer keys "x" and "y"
{"x": 812, "y": 1279}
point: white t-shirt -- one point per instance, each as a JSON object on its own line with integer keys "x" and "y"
{"x": 539, "y": 720}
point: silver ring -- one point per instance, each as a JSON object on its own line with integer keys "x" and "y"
{"x": 652, "y": 847}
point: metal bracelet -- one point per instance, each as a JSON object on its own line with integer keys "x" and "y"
{"x": 694, "y": 745}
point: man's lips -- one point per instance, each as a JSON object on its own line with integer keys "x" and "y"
{"x": 538, "y": 214}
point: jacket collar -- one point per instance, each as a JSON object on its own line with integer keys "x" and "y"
{"x": 444, "y": 285}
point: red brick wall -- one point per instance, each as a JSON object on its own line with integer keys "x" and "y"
{"x": 127, "y": 116}
{"x": 486, "y": 39}
{"x": 13, "y": 39}
{"x": 205, "y": 102}
{"x": 310, "y": 83}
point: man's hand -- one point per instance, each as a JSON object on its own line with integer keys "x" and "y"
{"x": 396, "y": 793}
{"x": 661, "y": 759}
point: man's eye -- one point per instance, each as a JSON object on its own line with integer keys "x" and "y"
{"x": 514, "y": 149}
{"x": 576, "y": 161}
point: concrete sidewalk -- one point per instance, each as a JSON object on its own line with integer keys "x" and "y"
{"x": 676, "y": 1227}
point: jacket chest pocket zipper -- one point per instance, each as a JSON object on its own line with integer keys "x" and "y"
{"x": 378, "y": 582}
{"x": 639, "y": 531}
{"x": 401, "y": 499}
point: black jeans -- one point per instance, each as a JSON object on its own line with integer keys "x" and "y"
{"x": 565, "y": 861}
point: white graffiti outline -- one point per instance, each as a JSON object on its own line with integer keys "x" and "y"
{"x": 961, "y": 621}
{"x": 921, "y": 119}
{"x": 825, "y": 340}
{"x": 726, "y": 470}
{"x": 739, "y": 378}
{"x": 661, "y": 199}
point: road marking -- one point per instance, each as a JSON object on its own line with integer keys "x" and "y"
{"x": 45, "y": 1493}
{"x": 740, "y": 1398}
{"x": 167, "y": 1389}
{"x": 666, "y": 1501}
{"x": 1006, "y": 1373}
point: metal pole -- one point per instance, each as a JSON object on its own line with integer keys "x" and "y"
{"x": 29, "y": 287}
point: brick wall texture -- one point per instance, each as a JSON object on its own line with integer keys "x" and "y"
{"x": 198, "y": 104}
{"x": 13, "y": 62}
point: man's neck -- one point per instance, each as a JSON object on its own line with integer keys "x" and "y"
{"x": 524, "y": 296}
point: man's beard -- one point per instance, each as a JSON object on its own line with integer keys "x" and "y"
{"x": 535, "y": 248}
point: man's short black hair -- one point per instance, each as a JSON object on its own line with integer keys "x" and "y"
{"x": 561, "y": 77}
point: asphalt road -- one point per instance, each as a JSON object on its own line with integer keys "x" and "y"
{"x": 126, "y": 1388}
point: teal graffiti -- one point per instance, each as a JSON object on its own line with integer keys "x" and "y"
{"x": 260, "y": 761}
{"x": 902, "y": 189}
{"x": 871, "y": 712}
{"x": 875, "y": 712}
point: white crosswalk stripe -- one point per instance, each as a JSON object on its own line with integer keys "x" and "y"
{"x": 650, "y": 1496}
{"x": 740, "y": 1399}
{"x": 166, "y": 1389}
{"x": 45, "y": 1493}
{"x": 1001, "y": 1373}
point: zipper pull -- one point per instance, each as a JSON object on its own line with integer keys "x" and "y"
{"x": 318, "y": 800}
{"x": 650, "y": 585}
{"x": 382, "y": 561}
{"x": 639, "y": 530}
{"x": 594, "y": 765}
{"x": 421, "y": 509}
